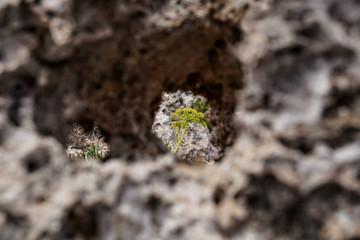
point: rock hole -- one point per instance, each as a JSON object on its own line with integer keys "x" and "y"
{"x": 312, "y": 31}
{"x": 174, "y": 180}
{"x": 13, "y": 112}
{"x": 218, "y": 196}
{"x": 80, "y": 223}
{"x": 36, "y": 160}
{"x": 153, "y": 202}
{"x": 303, "y": 144}
{"x": 221, "y": 44}
{"x": 111, "y": 84}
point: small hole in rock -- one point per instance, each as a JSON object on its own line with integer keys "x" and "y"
{"x": 80, "y": 223}
{"x": 221, "y": 44}
{"x": 218, "y": 195}
{"x": 174, "y": 180}
{"x": 153, "y": 202}
{"x": 36, "y": 160}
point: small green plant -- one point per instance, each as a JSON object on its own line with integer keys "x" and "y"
{"x": 93, "y": 152}
{"x": 181, "y": 119}
{"x": 84, "y": 146}
{"x": 201, "y": 106}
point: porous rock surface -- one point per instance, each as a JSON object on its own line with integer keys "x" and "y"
{"x": 196, "y": 146}
{"x": 283, "y": 80}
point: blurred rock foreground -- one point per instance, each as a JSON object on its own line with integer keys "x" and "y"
{"x": 283, "y": 81}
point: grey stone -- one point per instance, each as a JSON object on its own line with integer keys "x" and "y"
{"x": 282, "y": 79}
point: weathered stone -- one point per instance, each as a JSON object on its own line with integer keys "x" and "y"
{"x": 282, "y": 78}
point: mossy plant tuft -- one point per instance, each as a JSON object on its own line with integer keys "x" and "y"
{"x": 201, "y": 106}
{"x": 181, "y": 119}
{"x": 93, "y": 152}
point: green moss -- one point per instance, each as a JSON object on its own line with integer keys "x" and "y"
{"x": 201, "y": 106}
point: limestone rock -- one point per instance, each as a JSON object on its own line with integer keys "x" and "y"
{"x": 283, "y": 81}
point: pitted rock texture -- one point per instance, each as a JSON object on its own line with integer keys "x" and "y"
{"x": 196, "y": 145}
{"x": 282, "y": 78}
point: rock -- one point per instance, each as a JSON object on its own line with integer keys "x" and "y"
{"x": 282, "y": 78}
